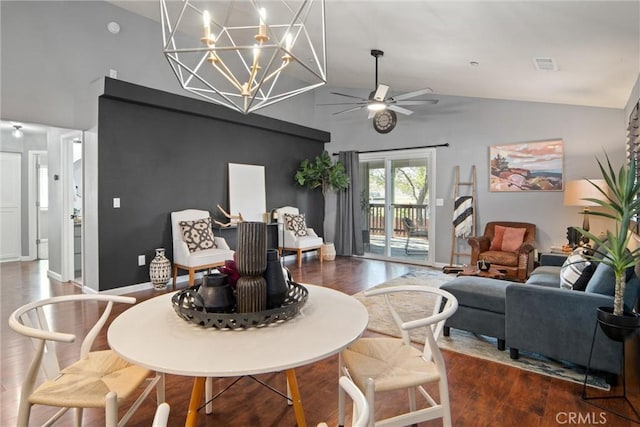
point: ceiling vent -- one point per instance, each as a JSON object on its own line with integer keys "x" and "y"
{"x": 545, "y": 64}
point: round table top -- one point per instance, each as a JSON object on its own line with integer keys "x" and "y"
{"x": 150, "y": 334}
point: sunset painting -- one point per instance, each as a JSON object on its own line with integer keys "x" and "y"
{"x": 528, "y": 166}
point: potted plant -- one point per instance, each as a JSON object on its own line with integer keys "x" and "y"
{"x": 621, "y": 204}
{"x": 327, "y": 175}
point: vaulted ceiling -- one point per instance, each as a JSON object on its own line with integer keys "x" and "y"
{"x": 595, "y": 45}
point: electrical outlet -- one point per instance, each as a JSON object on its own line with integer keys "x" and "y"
{"x": 141, "y": 260}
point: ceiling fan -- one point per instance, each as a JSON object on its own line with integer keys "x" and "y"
{"x": 382, "y": 107}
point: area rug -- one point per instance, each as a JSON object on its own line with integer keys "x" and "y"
{"x": 412, "y": 307}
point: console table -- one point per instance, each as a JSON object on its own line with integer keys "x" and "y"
{"x": 230, "y": 234}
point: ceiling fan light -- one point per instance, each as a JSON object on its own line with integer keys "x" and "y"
{"x": 376, "y": 106}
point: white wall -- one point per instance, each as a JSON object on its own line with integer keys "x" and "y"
{"x": 470, "y": 126}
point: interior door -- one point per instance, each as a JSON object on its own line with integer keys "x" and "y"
{"x": 10, "y": 212}
{"x": 397, "y": 214}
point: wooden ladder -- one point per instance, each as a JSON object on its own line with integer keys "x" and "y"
{"x": 456, "y": 193}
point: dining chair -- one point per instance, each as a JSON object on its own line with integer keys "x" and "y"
{"x": 161, "y": 418}
{"x": 360, "y": 415}
{"x": 96, "y": 379}
{"x": 380, "y": 364}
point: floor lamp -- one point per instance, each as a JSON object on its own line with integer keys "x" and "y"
{"x": 575, "y": 193}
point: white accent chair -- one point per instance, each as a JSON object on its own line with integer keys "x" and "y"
{"x": 383, "y": 364}
{"x": 198, "y": 260}
{"x": 360, "y": 415}
{"x": 97, "y": 379}
{"x": 288, "y": 241}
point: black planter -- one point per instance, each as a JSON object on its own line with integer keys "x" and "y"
{"x": 618, "y": 328}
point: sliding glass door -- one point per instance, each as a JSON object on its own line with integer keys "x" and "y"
{"x": 396, "y": 204}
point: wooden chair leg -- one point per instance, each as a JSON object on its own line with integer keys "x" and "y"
{"x": 175, "y": 276}
{"x": 299, "y": 255}
{"x": 192, "y": 276}
{"x": 320, "y": 254}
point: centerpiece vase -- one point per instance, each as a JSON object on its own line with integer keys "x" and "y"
{"x": 277, "y": 288}
{"x": 251, "y": 262}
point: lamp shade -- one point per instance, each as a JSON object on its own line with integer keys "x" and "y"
{"x": 577, "y": 190}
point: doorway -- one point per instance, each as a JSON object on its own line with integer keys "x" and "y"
{"x": 396, "y": 201}
{"x": 72, "y": 198}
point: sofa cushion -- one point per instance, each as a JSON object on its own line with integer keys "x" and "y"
{"x": 583, "y": 280}
{"x": 547, "y": 269}
{"x": 198, "y": 234}
{"x": 603, "y": 280}
{"x": 551, "y": 280}
{"x": 572, "y": 269}
{"x": 508, "y": 239}
{"x": 479, "y": 292}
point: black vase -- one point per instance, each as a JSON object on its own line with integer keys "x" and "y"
{"x": 618, "y": 328}
{"x": 216, "y": 293}
{"x": 277, "y": 288}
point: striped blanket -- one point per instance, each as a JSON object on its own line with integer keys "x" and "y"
{"x": 463, "y": 216}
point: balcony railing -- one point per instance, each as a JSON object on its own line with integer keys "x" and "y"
{"x": 417, "y": 213}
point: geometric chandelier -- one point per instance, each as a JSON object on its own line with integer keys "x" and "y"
{"x": 245, "y": 54}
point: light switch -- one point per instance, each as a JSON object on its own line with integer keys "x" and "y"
{"x": 116, "y": 202}
{"x": 141, "y": 260}
{"x": 439, "y": 202}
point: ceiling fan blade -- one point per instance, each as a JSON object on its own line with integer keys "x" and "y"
{"x": 347, "y": 103}
{"x": 417, "y": 102}
{"x": 350, "y": 109}
{"x": 381, "y": 93}
{"x": 413, "y": 94}
{"x": 349, "y": 96}
{"x": 400, "y": 110}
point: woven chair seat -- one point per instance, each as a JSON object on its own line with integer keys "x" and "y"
{"x": 86, "y": 382}
{"x": 389, "y": 362}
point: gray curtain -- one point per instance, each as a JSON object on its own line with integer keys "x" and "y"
{"x": 348, "y": 239}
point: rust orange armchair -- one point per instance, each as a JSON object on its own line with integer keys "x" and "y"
{"x": 508, "y": 246}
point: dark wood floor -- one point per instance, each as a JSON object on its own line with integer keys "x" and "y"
{"x": 482, "y": 393}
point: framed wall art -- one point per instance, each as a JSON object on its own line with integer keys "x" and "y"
{"x": 527, "y": 166}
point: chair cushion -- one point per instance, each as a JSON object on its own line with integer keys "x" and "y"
{"x": 508, "y": 239}
{"x": 509, "y": 259}
{"x": 296, "y": 223}
{"x": 390, "y": 363}
{"x": 85, "y": 383}
{"x": 208, "y": 257}
{"x": 198, "y": 234}
{"x": 306, "y": 242}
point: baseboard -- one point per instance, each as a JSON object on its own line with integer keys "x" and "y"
{"x": 53, "y": 275}
{"x": 27, "y": 258}
{"x": 142, "y": 286}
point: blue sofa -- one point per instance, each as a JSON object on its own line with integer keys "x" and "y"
{"x": 542, "y": 317}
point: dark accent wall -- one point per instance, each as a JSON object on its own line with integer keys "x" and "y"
{"x": 159, "y": 152}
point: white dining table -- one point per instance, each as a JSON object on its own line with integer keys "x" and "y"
{"x": 152, "y": 335}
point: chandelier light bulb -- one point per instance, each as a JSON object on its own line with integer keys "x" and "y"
{"x": 206, "y": 19}
{"x": 288, "y": 41}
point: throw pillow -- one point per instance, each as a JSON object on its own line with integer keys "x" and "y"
{"x": 507, "y": 239}
{"x": 296, "y": 223}
{"x": 198, "y": 234}
{"x": 572, "y": 269}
